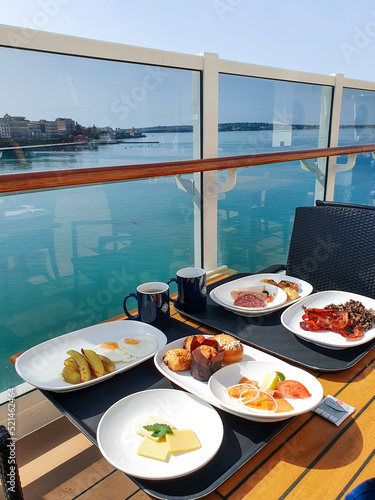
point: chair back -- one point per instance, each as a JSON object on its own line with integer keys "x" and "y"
{"x": 333, "y": 248}
{"x": 9, "y": 474}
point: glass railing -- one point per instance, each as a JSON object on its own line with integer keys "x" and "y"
{"x": 113, "y": 178}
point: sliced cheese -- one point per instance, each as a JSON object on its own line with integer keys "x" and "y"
{"x": 182, "y": 440}
{"x": 151, "y": 420}
{"x": 158, "y": 450}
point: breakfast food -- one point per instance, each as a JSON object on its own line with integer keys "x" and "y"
{"x": 99, "y": 360}
{"x": 351, "y": 320}
{"x": 188, "y": 341}
{"x": 233, "y": 349}
{"x": 84, "y": 366}
{"x": 289, "y": 287}
{"x": 254, "y": 296}
{"x": 177, "y": 360}
{"x": 161, "y": 439}
{"x": 206, "y": 359}
{"x": 255, "y": 396}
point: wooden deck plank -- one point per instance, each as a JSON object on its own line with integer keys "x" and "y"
{"x": 345, "y": 456}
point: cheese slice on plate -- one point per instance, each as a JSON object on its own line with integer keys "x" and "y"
{"x": 159, "y": 450}
{"x": 182, "y": 440}
{"x": 151, "y": 420}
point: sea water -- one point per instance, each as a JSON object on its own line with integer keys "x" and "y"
{"x": 150, "y": 224}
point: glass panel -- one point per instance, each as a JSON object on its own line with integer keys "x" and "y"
{"x": 357, "y": 126}
{"x": 258, "y": 115}
{"x": 255, "y": 219}
{"x": 68, "y": 257}
{"x": 75, "y": 112}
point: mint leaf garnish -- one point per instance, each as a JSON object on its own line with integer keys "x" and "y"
{"x": 280, "y": 376}
{"x": 159, "y": 430}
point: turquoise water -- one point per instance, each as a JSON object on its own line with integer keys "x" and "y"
{"x": 68, "y": 257}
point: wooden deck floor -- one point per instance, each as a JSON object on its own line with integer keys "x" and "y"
{"x": 59, "y": 463}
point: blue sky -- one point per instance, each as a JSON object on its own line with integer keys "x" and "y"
{"x": 318, "y": 36}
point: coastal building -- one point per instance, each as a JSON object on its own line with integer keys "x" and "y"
{"x": 18, "y": 126}
{"x": 65, "y": 126}
{"x": 4, "y": 129}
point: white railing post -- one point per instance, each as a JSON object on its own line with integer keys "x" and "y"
{"x": 210, "y": 114}
{"x": 334, "y": 135}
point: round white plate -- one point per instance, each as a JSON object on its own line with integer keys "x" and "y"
{"x": 118, "y": 441}
{"x": 42, "y": 365}
{"x": 292, "y": 317}
{"x": 304, "y": 289}
{"x": 223, "y": 294}
{"x": 255, "y": 370}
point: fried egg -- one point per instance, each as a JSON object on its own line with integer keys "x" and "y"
{"x": 140, "y": 346}
{"x": 113, "y": 351}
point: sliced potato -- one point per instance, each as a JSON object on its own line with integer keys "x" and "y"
{"x": 71, "y": 364}
{"x": 288, "y": 284}
{"x": 94, "y": 361}
{"x": 71, "y": 376}
{"x": 108, "y": 364}
{"x": 83, "y": 365}
{"x": 291, "y": 293}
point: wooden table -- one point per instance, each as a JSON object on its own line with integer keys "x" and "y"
{"x": 311, "y": 457}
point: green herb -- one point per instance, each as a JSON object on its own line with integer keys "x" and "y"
{"x": 280, "y": 376}
{"x": 159, "y": 430}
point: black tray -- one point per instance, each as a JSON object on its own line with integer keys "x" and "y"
{"x": 268, "y": 334}
{"x": 242, "y": 439}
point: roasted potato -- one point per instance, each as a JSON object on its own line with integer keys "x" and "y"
{"x": 291, "y": 293}
{"x": 83, "y": 366}
{"x": 288, "y": 284}
{"x": 94, "y": 361}
{"x": 71, "y": 376}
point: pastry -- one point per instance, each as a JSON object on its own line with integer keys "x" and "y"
{"x": 177, "y": 360}
{"x": 206, "y": 358}
{"x": 188, "y": 341}
{"x": 233, "y": 349}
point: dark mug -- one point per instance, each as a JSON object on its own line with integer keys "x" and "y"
{"x": 153, "y": 304}
{"x": 191, "y": 288}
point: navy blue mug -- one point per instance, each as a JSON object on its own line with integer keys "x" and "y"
{"x": 153, "y": 304}
{"x": 191, "y": 288}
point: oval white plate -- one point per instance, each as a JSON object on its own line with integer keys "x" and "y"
{"x": 292, "y": 317}
{"x": 118, "y": 441}
{"x": 223, "y": 294}
{"x": 42, "y": 365}
{"x": 255, "y": 370}
{"x": 304, "y": 289}
{"x": 186, "y": 381}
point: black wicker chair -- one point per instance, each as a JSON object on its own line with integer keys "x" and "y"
{"x": 324, "y": 203}
{"x": 9, "y": 474}
{"x": 333, "y": 248}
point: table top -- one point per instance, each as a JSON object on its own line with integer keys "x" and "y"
{"x": 304, "y": 457}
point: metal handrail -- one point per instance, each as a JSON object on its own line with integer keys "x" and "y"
{"x": 28, "y": 181}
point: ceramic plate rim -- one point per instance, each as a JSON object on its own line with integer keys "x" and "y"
{"x": 326, "y": 338}
{"x": 155, "y": 466}
{"x": 313, "y": 385}
{"x": 26, "y": 363}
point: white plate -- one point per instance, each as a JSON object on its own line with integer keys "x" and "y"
{"x": 201, "y": 389}
{"x": 255, "y": 370}
{"x": 304, "y": 289}
{"x": 292, "y": 317}
{"x": 42, "y": 365}
{"x": 118, "y": 441}
{"x": 223, "y": 294}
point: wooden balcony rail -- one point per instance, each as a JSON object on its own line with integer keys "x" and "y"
{"x": 27, "y": 181}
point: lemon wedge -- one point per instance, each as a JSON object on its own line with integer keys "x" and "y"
{"x": 270, "y": 381}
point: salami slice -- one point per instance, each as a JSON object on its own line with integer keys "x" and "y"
{"x": 249, "y": 300}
